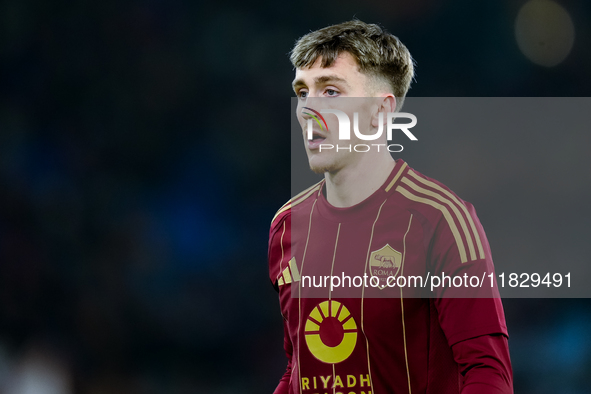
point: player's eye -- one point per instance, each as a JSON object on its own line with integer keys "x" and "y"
{"x": 302, "y": 94}
{"x": 331, "y": 92}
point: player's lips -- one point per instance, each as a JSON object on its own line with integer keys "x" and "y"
{"x": 317, "y": 139}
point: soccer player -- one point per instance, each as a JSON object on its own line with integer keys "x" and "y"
{"x": 375, "y": 217}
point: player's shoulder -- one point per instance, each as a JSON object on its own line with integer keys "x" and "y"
{"x": 439, "y": 205}
{"x": 430, "y": 196}
{"x": 296, "y": 202}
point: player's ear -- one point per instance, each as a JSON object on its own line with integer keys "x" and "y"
{"x": 389, "y": 103}
{"x": 385, "y": 104}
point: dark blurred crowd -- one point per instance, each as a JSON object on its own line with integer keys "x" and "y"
{"x": 144, "y": 149}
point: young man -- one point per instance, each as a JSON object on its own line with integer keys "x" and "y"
{"x": 370, "y": 217}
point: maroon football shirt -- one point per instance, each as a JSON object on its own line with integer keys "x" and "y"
{"x": 363, "y": 338}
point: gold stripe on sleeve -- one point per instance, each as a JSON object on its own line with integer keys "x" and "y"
{"x": 297, "y": 199}
{"x": 454, "y": 209}
{"x": 446, "y": 214}
{"x": 462, "y": 206}
{"x": 282, "y": 255}
{"x": 279, "y": 212}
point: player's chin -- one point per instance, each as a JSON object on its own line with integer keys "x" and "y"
{"x": 318, "y": 164}
{"x": 318, "y": 170}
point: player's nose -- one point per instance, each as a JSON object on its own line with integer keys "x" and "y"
{"x": 311, "y": 106}
{"x": 305, "y": 113}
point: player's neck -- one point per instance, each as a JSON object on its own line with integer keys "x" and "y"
{"x": 353, "y": 184}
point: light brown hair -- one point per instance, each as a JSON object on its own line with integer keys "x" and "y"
{"x": 379, "y": 54}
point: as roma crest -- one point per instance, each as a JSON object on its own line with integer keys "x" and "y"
{"x": 384, "y": 263}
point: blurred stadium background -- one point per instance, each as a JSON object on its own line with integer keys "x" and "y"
{"x": 144, "y": 150}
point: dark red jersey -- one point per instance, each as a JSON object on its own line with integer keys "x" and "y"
{"x": 364, "y": 335}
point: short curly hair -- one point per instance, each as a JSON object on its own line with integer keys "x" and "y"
{"x": 379, "y": 54}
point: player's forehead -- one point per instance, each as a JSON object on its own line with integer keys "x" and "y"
{"x": 344, "y": 69}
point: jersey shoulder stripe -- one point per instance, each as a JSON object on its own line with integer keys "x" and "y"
{"x": 299, "y": 198}
{"x": 459, "y": 203}
{"x": 400, "y": 171}
{"x": 450, "y": 204}
{"x": 419, "y": 189}
{"x": 443, "y": 209}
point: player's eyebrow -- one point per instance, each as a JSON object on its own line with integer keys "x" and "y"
{"x": 322, "y": 80}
